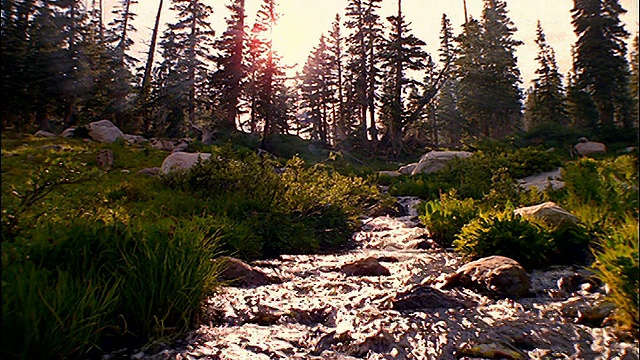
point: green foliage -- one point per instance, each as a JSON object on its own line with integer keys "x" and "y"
{"x": 66, "y": 285}
{"x": 445, "y": 218}
{"x": 507, "y": 235}
{"x": 617, "y": 265}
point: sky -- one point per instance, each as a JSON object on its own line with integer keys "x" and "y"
{"x": 302, "y": 22}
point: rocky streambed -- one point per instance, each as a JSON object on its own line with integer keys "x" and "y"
{"x": 394, "y": 306}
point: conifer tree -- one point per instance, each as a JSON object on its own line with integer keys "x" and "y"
{"x": 635, "y": 69}
{"x": 335, "y": 47}
{"x": 402, "y": 52}
{"x": 600, "y": 63}
{"x": 186, "y": 49}
{"x": 546, "y": 102}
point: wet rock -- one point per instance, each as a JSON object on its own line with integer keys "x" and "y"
{"x": 425, "y": 297}
{"x": 182, "y": 161}
{"x": 104, "y": 131}
{"x": 150, "y": 171}
{"x": 365, "y": 267}
{"x": 239, "y": 273}
{"x": 494, "y": 350}
{"x": 104, "y": 159}
{"x": 574, "y": 282}
{"x": 550, "y": 213}
{"x": 494, "y": 275}
{"x": 583, "y": 313}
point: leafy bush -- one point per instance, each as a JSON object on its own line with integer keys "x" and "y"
{"x": 445, "y": 218}
{"x": 507, "y": 235}
{"x": 617, "y": 265}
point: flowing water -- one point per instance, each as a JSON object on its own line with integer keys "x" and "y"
{"x": 318, "y": 312}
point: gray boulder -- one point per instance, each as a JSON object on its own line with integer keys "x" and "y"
{"x": 104, "y": 131}
{"x": 182, "y": 161}
{"x": 162, "y": 144}
{"x": 150, "y": 171}
{"x": 407, "y": 169}
{"x": 390, "y": 173}
{"x": 69, "y": 132}
{"x": 104, "y": 159}
{"x": 437, "y": 160}
{"x": 590, "y": 148}
{"x": 549, "y": 213}
{"x": 135, "y": 139}
{"x": 494, "y": 275}
{"x": 543, "y": 181}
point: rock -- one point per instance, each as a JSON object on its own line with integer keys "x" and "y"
{"x": 46, "y": 134}
{"x": 437, "y": 160}
{"x": 104, "y": 159}
{"x": 407, "y": 169}
{"x": 389, "y": 259}
{"x": 494, "y": 350}
{"x": 70, "y": 132}
{"x": 150, "y": 171}
{"x": 425, "y": 297}
{"x": 181, "y": 147}
{"x": 182, "y": 161}
{"x": 162, "y": 144}
{"x": 571, "y": 283}
{"x": 239, "y": 273}
{"x": 543, "y": 181}
{"x": 494, "y": 275}
{"x": 590, "y": 148}
{"x": 135, "y": 139}
{"x": 365, "y": 267}
{"x": 390, "y": 173}
{"x": 104, "y": 131}
{"x": 550, "y": 213}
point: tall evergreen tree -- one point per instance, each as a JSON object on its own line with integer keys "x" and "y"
{"x": 403, "y": 52}
{"x": 489, "y": 77}
{"x": 335, "y": 44}
{"x": 232, "y": 68}
{"x": 547, "y": 100}
{"x": 635, "y": 69}
{"x": 186, "y": 47}
{"x": 581, "y": 109}
{"x": 600, "y": 63}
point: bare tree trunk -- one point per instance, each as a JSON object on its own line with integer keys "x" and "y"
{"x": 146, "y": 79}
{"x": 236, "y": 71}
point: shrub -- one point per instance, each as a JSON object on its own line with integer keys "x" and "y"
{"x": 617, "y": 265}
{"x": 445, "y": 218}
{"x": 507, "y": 235}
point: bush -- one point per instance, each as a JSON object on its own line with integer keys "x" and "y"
{"x": 445, "y": 218}
{"x": 505, "y": 234}
{"x": 617, "y": 265}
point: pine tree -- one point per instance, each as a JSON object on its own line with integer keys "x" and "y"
{"x": 186, "y": 47}
{"x": 489, "y": 77}
{"x": 335, "y": 48}
{"x": 600, "y": 63}
{"x": 402, "y": 52}
{"x": 635, "y": 69}
{"x": 546, "y": 102}
{"x": 232, "y": 69}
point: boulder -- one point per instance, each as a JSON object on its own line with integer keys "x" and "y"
{"x": 150, "y": 171}
{"x": 549, "y": 213}
{"x": 42, "y": 133}
{"x": 425, "y": 297}
{"x": 543, "y": 181}
{"x": 104, "y": 159}
{"x": 135, "y": 139}
{"x": 162, "y": 144}
{"x": 493, "y": 275}
{"x": 181, "y": 147}
{"x": 437, "y": 160}
{"x": 365, "y": 267}
{"x": 407, "y": 169}
{"x": 67, "y": 133}
{"x": 241, "y": 274}
{"x": 590, "y": 148}
{"x": 182, "y": 161}
{"x": 104, "y": 131}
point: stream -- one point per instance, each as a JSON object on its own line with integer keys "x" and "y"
{"x": 317, "y": 311}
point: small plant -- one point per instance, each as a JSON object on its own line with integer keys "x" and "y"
{"x": 508, "y": 235}
{"x": 617, "y": 265}
{"x": 445, "y": 218}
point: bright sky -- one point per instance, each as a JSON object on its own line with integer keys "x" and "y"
{"x": 303, "y": 21}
